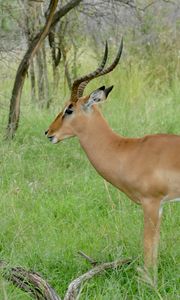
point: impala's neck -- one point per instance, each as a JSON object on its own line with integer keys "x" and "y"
{"x": 100, "y": 144}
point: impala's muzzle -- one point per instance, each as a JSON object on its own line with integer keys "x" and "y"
{"x": 52, "y": 138}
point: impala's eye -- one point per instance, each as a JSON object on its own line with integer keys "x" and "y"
{"x": 69, "y": 110}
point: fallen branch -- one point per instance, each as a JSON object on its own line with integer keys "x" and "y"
{"x": 73, "y": 289}
{"x": 32, "y": 282}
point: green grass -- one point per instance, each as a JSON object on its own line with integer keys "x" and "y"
{"x": 53, "y": 203}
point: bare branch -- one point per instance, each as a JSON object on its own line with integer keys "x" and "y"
{"x": 63, "y": 11}
{"x": 72, "y": 292}
{"x": 30, "y": 282}
{"x": 88, "y": 258}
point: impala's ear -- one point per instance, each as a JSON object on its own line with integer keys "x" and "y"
{"x": 98, "y": 96}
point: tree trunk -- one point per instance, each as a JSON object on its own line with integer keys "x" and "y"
{"x": 66, "y": 67}
{"x": 40, "y": 78}
{"x": 33, "y": 82}
{"x": 22, "y": 71}
{"x": 56, "y": 58}
{"x": 46, "y": 80}
{"x": 32, "y": 9}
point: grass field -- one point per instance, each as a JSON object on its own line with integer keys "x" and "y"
{"x": 53, "y": 203}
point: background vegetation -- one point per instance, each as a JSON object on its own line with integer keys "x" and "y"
{"x": 52, "y": 201}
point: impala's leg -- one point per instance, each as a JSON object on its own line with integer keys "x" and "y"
{"x": 152, "y": 217}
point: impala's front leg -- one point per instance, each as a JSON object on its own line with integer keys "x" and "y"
{"x": 152, "y": 218}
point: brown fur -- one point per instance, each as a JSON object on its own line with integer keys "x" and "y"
{"x": 146, "y": 169}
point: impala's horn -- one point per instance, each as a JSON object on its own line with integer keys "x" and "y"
{"x": 80, "y": 83}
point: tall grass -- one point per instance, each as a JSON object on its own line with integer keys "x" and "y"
{"x": 53, "y": 203}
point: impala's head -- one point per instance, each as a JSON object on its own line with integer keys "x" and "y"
{"x": 79, "y": 108}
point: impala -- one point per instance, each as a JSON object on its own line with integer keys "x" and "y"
{"x": 146, "y": 169}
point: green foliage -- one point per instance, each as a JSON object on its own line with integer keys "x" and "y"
{"x": 53, "y": 203}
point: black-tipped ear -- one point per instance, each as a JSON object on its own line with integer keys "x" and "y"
{"x": 108, "y": 90}
{"x": 98, "y": 96}
{"x": 102, "y": 88}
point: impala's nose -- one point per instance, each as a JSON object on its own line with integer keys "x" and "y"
{"x": 51, "y": 138}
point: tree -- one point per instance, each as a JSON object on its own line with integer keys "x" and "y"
{"x": 52, "y": 19}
